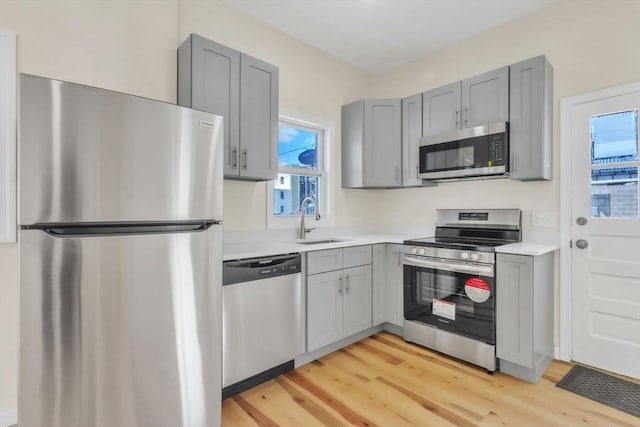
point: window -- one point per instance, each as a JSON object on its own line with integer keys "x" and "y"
{"x": 614, "y": 165}
{"x": 302, "y": 170}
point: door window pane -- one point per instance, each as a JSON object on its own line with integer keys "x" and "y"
{"x": 614, "y": 137}
{"x": 614, "y": 165}
{"x": 293, "y": 189}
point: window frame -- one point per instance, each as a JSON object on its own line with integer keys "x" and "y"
{"x": 323, "y": 171}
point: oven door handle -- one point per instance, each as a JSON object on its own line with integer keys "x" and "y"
{"x": 480, "y": 270}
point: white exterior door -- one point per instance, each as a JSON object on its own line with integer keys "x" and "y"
{"x": 605, "y": 231}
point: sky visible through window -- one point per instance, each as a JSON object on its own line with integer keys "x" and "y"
{"x": 297, "y": 147}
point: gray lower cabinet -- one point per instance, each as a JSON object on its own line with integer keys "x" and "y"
{"x": 531, "y": 116}
{"x": 339, "y": 294}
{"x": 471, "y": 102}
{"x": 395, "y": 285}
{"x": 379, "y": 283}
{"x": 371, "y": 144}
{"x": 524, "y": 314}
{"x": 244, "y": 90}
{"x": 388, "y": 284}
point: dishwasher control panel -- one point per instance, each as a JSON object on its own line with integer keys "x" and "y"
{"x": 260, "y": 268}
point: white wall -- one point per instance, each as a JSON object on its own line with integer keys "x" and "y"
{"x": 115, "y": 44}
{"x": 311, "y": 82}
{"x": 591, "y": 44}
{"x": 131, "y": 46}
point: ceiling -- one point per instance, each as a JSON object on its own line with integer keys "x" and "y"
{"x": 381, "y": 35}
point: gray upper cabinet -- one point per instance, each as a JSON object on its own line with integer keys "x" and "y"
{"x": 485, "y": 98}
{"x": 531, "y": 115}
{"x": 258, "y": 118}
{"x": 242, "y": 89}
{"x": 371, "y": 144}
{"x": 471, "y": 102}
{"x": 411, "y": 134}
{"x": 441, "y": 109}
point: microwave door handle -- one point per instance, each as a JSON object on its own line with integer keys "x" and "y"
{"x": 480, "y": 270}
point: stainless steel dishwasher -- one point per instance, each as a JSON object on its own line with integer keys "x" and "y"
{"x": 261, "y": 320}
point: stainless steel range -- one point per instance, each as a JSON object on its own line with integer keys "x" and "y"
{"x": 449, "y": 282}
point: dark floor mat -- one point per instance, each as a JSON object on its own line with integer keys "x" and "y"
{"x": 603, "y": 388}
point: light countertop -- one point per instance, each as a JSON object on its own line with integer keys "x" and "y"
{"x": 270, "y": 247}
{"x": 259, "y": 248}
{"x": 523, "y": 248}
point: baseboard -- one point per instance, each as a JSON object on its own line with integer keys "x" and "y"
{"x": 316, "y": 354}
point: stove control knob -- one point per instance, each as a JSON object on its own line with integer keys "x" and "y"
{"x": 414, "y": 250}
{"x": 474, "y": 257}
{"x": 464, "y": 255}
{"x": 422, "y": 251}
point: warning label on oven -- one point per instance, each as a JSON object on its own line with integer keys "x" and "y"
{"x": 444, "y": 308}
{"x": 477, "y": 290}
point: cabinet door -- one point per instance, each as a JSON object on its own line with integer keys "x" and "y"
{"x": 382, "y": 142}
{"x": 394, "y": 299}
{"x": 485, "y": 98}
{"x": 411, "y": 134}
{"x": 441, "y": 109}
{"x": 352, "y": 135}
{"x": 324, "y": 309}
{"x": 209, "y": 80}
{"x": 357, "y": 299}
{"x": 379, "y": 284}
{"x": 514, "y": 309}
{"x": 530, "y": 119}
{"x": 258, "y": 119}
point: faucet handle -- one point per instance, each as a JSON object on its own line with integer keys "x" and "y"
{"x": 307, "y": 230}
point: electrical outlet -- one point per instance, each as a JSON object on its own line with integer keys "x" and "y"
{"x": 543, "y": 219}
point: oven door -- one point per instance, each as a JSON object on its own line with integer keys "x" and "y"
{"x": 450, "y": 295}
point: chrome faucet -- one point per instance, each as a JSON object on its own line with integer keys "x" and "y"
{"x": 303, "y": 231}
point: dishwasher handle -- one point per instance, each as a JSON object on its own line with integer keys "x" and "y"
{"x": 247, "y": 270}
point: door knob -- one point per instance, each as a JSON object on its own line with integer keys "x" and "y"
{"x": 582, "y": 244}
{"x": 581, "y": 220}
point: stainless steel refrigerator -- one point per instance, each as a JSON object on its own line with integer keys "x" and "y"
{"x": 120, "y": 260}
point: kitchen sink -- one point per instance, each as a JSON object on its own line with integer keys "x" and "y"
{"x": 317, "y": 242}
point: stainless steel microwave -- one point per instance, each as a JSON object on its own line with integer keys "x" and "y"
{"x": 465, "y": 153}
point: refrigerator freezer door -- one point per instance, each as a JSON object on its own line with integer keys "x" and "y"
{"x": 120, "y": 330}
{"x": 92, "y": 155}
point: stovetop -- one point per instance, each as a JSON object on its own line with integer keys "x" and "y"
{"x": 479, "y": 230}
{"x": 479, "y": 245}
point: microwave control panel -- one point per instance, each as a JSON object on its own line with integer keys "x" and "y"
{"x": 497, "y": 148}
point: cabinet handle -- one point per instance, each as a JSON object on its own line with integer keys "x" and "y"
{"x": 466, "y": 116}
{"x": 346, "y": 281}
{"x": 457, "y": 114}
{"x": 245, "y": 155}
{"x": 234, "y": 158}
{"x": 417, "y": 171}
{"x": 340, "y": 285}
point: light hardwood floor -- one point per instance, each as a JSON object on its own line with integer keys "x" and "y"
{"x": 384, "y": 381}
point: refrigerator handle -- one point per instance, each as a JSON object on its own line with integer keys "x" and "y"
{"x": 88, "y": 230}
